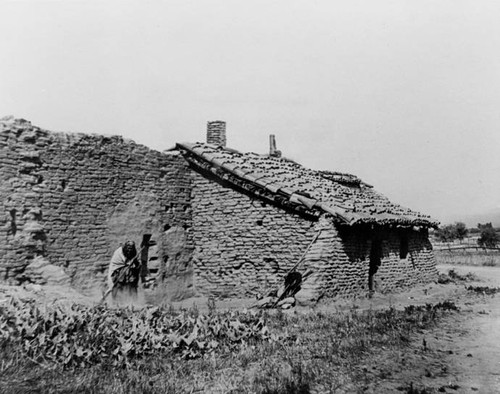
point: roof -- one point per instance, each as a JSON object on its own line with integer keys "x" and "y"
{"x": 348, "y": 199}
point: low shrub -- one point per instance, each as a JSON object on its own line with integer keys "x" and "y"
{"x": 469, "y": 276}
{"x": 484, "y": 290}
{"x": 453, "y": 277}
{"x": 156, "y": 350}
{"x": 82, "y": 336}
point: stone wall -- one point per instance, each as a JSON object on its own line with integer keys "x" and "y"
{"x": 333, "y": 272}
{"x": 71, "y": 199}
{"x": 74, "y": 198}
{"x": 243, "y": 246}
{"x": 418, "y": 267}
{"x": 395, "y": 272}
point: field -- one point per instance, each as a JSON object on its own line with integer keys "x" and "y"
{"x": 423, "y": 341}
{"x": 468, "y": 256}
{"x": 155, "y": 350}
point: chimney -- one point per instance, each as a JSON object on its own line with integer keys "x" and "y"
{"x": 273, "y": 152}
{"x": 216, "y": 133}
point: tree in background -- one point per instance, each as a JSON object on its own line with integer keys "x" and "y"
{"x": 445, "y": 233}
{"x": 489, "y": 237}
{"x": 451, "y": 232}
{"x": 461, "y": 230}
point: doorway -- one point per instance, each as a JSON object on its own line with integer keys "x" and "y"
{"x": 375, "y": 261}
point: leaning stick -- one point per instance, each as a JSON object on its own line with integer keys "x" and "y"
{"x": 296, "y": 265}
{"x": 301, "y": 258}
{"x": 305, "y": 253}
{"x": 106, "y": 294}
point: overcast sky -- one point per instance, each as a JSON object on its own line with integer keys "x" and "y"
{"x": 404, "y": 94}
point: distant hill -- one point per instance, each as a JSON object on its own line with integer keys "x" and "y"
{"x": 472, "y": 219}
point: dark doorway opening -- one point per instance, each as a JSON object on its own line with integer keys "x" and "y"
{"x": 403, "y": 246}
{"x": 375, "y": 261}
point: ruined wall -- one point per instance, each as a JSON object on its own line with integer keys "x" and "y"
{"x": 242, "y": 245}
{"x": 73, "y": 198}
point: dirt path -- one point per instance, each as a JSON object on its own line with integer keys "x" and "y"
{"x": 480, "y": 368}
{"x": 475, "y": 361}
{"x": 460, "y": 355}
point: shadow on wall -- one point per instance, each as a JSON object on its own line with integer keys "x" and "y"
{"x": 357, "y": 242}
{"x": 390, "y": 258}
{"x": 362, "y": 243}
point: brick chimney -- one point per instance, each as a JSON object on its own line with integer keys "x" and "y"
{"x": 216, "y": 133}
{"x": 272, "y": 147}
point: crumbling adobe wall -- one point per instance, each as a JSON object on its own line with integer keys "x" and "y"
{"x": 74, "y": 198}
{"x": 340, "y": 261}
{"x": 418, "y": 267}
{"x": 242, "y": 245}
{"x": 394, "y": 273}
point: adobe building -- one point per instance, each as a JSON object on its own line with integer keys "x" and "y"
{"x": 212, "y": 220}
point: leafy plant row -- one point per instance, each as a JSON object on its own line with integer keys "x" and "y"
{"x": 78, "y": 335}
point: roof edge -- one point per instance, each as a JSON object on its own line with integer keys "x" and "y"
{"x": 289, "y": 198}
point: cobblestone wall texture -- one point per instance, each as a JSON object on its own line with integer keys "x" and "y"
{"x": 74, "y": 198}
{"x": 353, "y": 247}
{"x": 243, "y": 247}
{"x": 418, "y": 267}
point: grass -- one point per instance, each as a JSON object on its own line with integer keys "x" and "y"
{"x": 312, "y": 352}
{"x": 486, "y": 258}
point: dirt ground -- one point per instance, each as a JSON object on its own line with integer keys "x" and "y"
{"x": 472, "y": 342}
{"x": 461, "y": 355}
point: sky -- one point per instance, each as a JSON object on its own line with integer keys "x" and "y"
{"x": 404, "y": 94}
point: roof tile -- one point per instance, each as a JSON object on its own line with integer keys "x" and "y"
{"x": 343, "y": 195}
